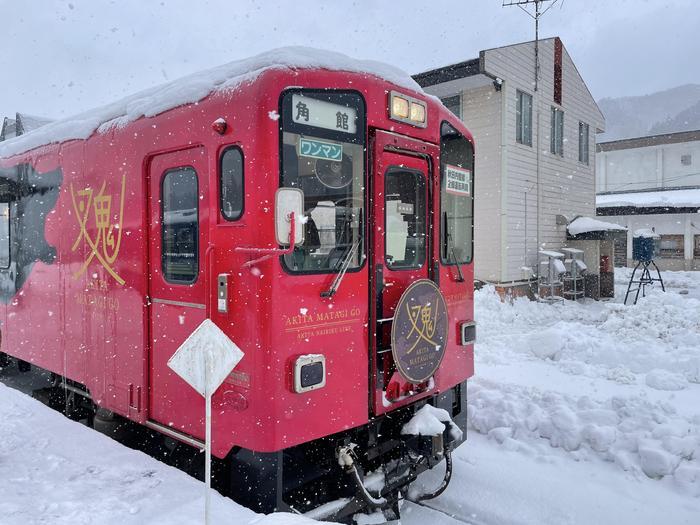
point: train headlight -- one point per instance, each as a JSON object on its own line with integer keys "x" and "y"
{"x": 399, "y": 107}
{"x": 417, "y": 112}
{"x": 408, "y": 109}
{"x": 467, "y": 332}
{"x": 309, "y": 373}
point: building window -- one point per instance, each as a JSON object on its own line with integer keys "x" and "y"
{"x": 583, "y": 142}
{"x": 454, "y": 104}
{"x": 671, "y": 247}
{"x": 523, "y": 118}
{"x": 231, "y": 183}
{"x": 180, "y": 226}
{"x": 557, "y": 136}
{"x": 696, "y": 247}
{"x": 686, "y": 160}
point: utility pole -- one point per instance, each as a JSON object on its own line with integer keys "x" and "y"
{"x": 535, "y": 14}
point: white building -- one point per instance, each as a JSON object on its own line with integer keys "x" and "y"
{"x": 535, "y": 151}
{"x": 654, "y": 182}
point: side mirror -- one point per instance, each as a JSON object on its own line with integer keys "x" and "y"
{"x": 289, "y": 202}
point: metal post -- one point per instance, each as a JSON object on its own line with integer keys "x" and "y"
{"x": 207, "y": 445}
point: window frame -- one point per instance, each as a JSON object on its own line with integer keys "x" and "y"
{"x": 423, "y": 178}
{"x": 224, "y": 151}
{"x": 664, "y": 253}
{"x": 287, "y": 125}
{"x": 9, "y": 235}
{"x": 162, "y": 225}
{"x": 556, "y": 143}
{"x": 584, "y": 152}
{"x": 442, "y": 228}
{"x": 519, "y": 118}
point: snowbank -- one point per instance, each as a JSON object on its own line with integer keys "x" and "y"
{"x": 53, "y": 470}
{"x": 195, "y": 87}
{"x": 598, "y": 381}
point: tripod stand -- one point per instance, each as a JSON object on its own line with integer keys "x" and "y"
{"x": 645, "y": 279}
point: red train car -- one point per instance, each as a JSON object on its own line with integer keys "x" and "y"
{"x": 122, "y": 229}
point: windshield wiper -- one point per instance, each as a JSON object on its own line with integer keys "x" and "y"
{"x": 345, "y": 261}
{"x": 343, "y": 269}
{"x": 451, "y": 249}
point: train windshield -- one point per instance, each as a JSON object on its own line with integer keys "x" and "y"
{"x": 323, "y": 143}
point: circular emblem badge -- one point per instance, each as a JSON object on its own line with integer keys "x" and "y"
{"x": 419, "y": 331}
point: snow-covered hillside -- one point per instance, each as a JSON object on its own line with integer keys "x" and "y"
{"x": 579, "y": 413}
{"x": 675, "y": 109}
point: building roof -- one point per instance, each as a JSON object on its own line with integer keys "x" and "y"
{"x": 652, "y": 140}
{"x": 477, "y": 68}
{"x": 667, "y": 199}
{"x": 447, "y": 73}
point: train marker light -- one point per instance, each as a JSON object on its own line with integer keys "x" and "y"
{"x": 220, "y": 125}
{"x": 309, "y": 373}
{"x": 407, "y": 109}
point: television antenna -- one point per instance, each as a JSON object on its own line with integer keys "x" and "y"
{"x": 535, "y": 14}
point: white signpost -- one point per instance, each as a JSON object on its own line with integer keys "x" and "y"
{"x": 204, "y": 360}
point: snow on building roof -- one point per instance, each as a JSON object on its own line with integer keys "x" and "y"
{"x": 587, "y": 224}
{"x": 646, "y": 233}
{"x": 689, "y": 198}
{"x": 195, "y": 87}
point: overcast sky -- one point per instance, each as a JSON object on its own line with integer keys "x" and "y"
{"x": 62, "y": 57}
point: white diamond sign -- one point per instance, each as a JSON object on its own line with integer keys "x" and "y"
{"x": 205, "y": 358}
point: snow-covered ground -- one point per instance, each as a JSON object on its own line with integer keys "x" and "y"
{"x": 579, "y": 413}
{"x": 583, "y": 413}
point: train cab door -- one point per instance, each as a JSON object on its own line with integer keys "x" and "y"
{"x": 401, "y": 245}
{"x": 178, "y": 238}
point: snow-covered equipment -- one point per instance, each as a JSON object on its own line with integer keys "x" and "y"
{"x": 552, "y": 269}
{"x": 574, "y": 281}
{"x": 645, "y": 246}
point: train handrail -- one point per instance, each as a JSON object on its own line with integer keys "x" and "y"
{"x": 270, "y": 252}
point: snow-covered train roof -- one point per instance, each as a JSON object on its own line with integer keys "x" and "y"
{"x": 195, "y": 87}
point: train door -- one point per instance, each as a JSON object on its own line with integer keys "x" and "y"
{"x": 178, "y": 238}
{"x": 401, "y": 245}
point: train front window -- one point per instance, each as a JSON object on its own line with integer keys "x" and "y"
{"x": 323, "y": 143}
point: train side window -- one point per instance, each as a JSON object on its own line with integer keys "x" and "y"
{"x": 180, "y": 225}
{"x": 231, "y": 183}
{"x": 4, "y": 235}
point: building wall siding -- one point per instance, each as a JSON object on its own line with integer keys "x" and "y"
{"x": 567, "y": 186}
{"x": 481, "y": 109}
{"x": 649, "y": 167}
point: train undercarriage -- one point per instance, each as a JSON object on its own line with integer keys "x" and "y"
{"x": 362, "y": 470}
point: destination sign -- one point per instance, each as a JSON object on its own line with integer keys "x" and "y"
{"x": 309, "y": 111}
{"x": 457, "y": 180}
